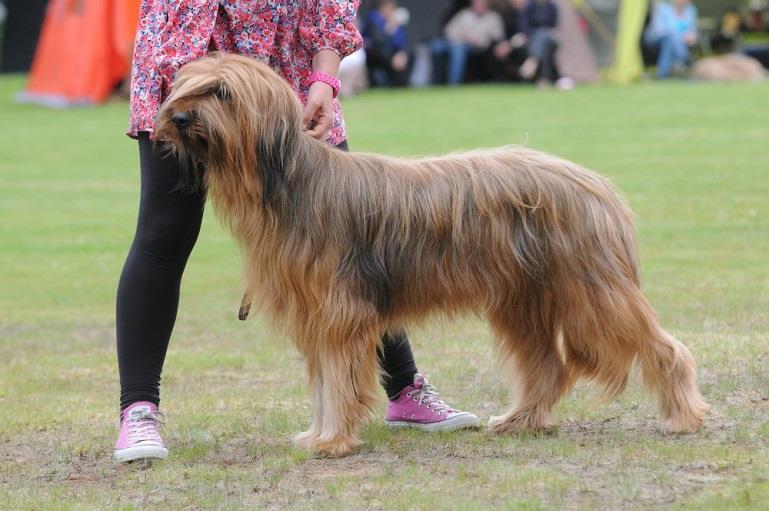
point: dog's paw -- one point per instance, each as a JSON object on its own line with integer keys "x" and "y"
{"x": 686, "y": 419}
{"x": 519, "y": 422}
{"x": 305, "y": 439}
{"x": 495, "y": 422}
{"x": 680, "y": 425}
{"x": 334, "y": 448}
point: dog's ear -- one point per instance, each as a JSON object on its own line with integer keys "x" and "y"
{"x": 275, "y": 152}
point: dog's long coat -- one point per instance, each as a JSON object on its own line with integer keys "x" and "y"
{"x": 340, "y": 248}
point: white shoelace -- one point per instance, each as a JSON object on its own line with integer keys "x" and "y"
{"x": 143, "y": 425}
{"x": 427, "y": 396}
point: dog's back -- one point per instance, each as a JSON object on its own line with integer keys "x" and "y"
{"x": 503, "y": 216}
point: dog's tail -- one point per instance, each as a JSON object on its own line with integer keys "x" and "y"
{"x": 606, "y": 321}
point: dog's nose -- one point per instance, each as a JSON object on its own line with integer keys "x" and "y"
{"x": 181, "y": 119}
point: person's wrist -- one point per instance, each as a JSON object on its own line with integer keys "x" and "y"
{"x": 321, "y": 88}
{"x": 326, "y": 79}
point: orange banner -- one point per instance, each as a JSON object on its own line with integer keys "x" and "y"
{"x": 84, "y": 50}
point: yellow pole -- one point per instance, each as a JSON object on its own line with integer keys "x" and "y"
{"x": 628, "y": 62}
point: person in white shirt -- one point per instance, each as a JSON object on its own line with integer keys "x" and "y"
{"x": 472, "y": 31}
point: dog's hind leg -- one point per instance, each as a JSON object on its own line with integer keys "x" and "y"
{"x": 531, "y": 356}
{"x": 346, "y": 389}
{"x": 607, "y": 328}
{"x": 670, "y": 371}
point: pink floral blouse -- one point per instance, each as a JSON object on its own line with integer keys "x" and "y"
{"x": 286, "y": 34}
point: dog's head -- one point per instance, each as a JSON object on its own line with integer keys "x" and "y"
{"x": 231, "y": 117}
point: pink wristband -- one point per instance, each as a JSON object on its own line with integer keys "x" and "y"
{"x": 329, "y": 80}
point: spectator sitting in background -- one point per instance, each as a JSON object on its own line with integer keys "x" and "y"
{"x": 729, "y": 28}
{"x": 673, "y": 29}
{"x": 470, "y": 33}
{"x": 530, "y": 48}
{"x": 387, "y": 58}
{"x": 537, "y": 24}
{"x": 511, "y": 51}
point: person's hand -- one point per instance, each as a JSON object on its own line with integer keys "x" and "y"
{"x": 319, "y": 110}
{"x": 400, "y": 60}
{"x": 518, "y": 40}
{"x": 690, "y": 38}
{"x": 502, "y": 49}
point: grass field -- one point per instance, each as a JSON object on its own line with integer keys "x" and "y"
{"x": 693, "y": 161}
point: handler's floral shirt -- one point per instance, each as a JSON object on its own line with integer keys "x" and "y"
{"x": 286, "y": 34}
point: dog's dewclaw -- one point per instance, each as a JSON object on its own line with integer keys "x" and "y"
{"x": 245, "y": 308}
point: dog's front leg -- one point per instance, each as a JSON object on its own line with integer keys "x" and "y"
{"x": 345, "y": 389}
{"x": 314, "y": 382}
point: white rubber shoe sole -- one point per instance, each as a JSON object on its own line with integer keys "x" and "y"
{"x": 140, "y": 452}
{"x": 464, "y": 420}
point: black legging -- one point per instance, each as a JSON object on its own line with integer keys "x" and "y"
{"x": 148, "y": 292}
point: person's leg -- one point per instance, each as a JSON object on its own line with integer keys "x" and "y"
{"x": 537, "y": 49}
{"x": 374, "y": 65}
{"x": 680, "y": 52}
{"x": 666, "y": 57}
{"x": 478, "y": 65}
{"x": 457, "y": 60}
{"x": 538, "y": 43}
{"x": 438, "y": 52}
{"x": 412, "y": 402}
{"x": 148, "y": 291}
{"x": 514, "y": 62}
{"x": 548, "y": 69}
{"x": 398, "y": 365}
{"x": 400, "y": 78}
{"x": 379, "y": 77}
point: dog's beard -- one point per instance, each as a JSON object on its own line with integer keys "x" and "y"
{"x": 192, "y": 157}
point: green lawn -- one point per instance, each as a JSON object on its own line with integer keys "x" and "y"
{"x": 693, "y": 160}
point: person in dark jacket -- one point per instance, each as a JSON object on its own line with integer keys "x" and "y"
{"x": 537, "y": 26}
{"x": 387, "y": 57}
{"x": 529, "y": 48}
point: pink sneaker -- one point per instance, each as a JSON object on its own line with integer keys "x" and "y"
{"x": 139, "y": 437}
{"x": 418, "y": 406}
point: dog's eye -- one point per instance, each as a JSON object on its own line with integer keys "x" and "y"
{"x": 222, "y": 93}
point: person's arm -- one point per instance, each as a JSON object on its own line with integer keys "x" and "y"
{"x": 328, "y": 31}
{"x": 330, "y": 25}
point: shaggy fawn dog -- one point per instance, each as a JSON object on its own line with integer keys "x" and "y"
{"x": 342, "y": 247}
